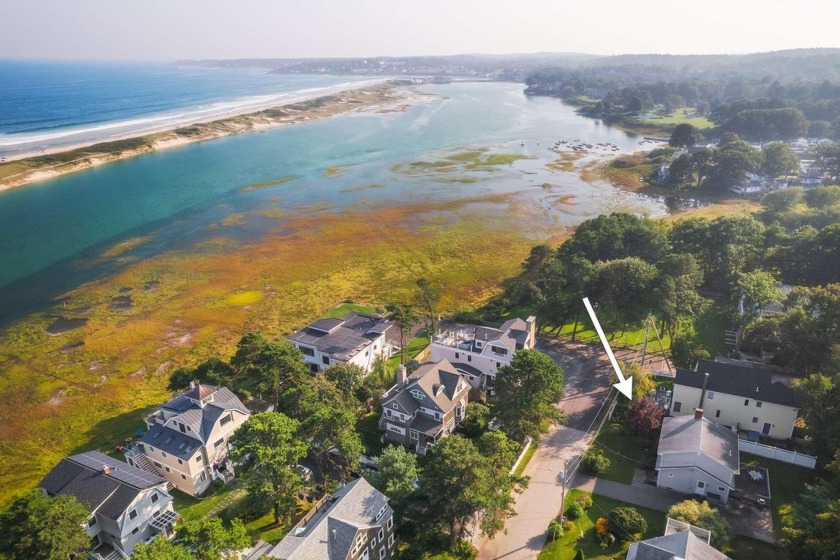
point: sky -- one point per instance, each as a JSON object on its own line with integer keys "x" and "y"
{"x": 201, "y": 29}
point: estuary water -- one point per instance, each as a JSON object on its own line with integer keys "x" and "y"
{"x": 53, "y": 233}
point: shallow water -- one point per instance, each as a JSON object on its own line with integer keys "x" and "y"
{"x": 54, "y": 235}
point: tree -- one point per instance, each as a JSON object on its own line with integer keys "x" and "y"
{"x": 526, "y": 391}
{"x": 644, "y": 419}
{"x": 427, "y": 299}
{"x": 212, "y": 371}
{"x": 476, "y": 419}
{"x": 626, "y": 286}
{"x": 405, "y": 318}
{"x": 701, "y": 514}
{"x": 776, "y": 203}
{"x": 555, "y": 529}
{"x": 819, "y": 396}
{"x": 396, "y": 476}
{"x": 779, "y": 159}
{"x": 276, "y": 367}
{"x": 40, "y": 527}
{"x": 328, "y": 418}
{"x": 209, "y": 539}
{"x": 594, "y": 462}
{"x": 681, "y": 171}
{"x": 731, "y": 164}
{"x": 756, "y": 290}
{"x": 626, "y": 523}
{"x": 161, "y": 549}
{"x": 685, "y": 135}
{"x": 499, "y": 454}
{"x": 270, "y": 440}
{"x": 811, "y": 529}
{"x": 616, "y": 236}
{"x": 346, "y": 377}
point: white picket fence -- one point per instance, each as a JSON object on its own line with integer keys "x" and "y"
{"x": 800, "y": 459}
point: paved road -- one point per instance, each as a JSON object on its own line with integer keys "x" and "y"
{"x": 586, "y": 386}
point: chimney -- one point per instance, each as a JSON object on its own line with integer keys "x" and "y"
{"x": 531, "y": 323}
{"x": 106, "y": 469}
{"x": 703, "y": 391}
{"x": 401, "y": 376}
{"x": 698, "y": 413}
{"x": 192, "y": 384}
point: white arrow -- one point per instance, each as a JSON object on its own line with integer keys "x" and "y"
{"x": 625, "y": 386}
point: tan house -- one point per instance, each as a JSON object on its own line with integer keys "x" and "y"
{"x": 187, "y": 439}
{"x": 424, "y": 407}
{"x": 738, "y": 396}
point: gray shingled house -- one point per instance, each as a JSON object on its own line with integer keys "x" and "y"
{"x": 681, "y": 541}
{"x": 187, "y": 439}
{"x": 420, "y": 410}
{"x": 697, "y": 456}
{"x": 127, "y": 504}
{"x": 353, "y": 523}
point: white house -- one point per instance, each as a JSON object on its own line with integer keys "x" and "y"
{"x": 479, "y": 352}
{"x": 354, "y": 339}
{"x": 127, "y": 504}
{"x": 739, "y": 396}
{"x": 697, "y": 456}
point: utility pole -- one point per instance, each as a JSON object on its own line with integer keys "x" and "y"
{"x": 644, "y": 346}
{"x": 563, "y": 495}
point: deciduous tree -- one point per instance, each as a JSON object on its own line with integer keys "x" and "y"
{"x": 526, "y": 391}
{"x": 40, "y": 527}
{"x": 701, "y": 514}
{"x": 209, "y": 539}
{"x": 396, "y": 476}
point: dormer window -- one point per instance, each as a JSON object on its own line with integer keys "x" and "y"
{"x": 418, "y": 394}
{"x": 381, "y": 512}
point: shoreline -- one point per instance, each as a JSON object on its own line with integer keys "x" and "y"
{"x": 30, "y": 168}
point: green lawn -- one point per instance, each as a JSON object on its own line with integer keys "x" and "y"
{"x": 787, "y": 482}
{"x": 625, "y": 452}
{"x": 414, "y": 347}
{"x": 582, "y": 535}
{"x": 633, "y": 337}
{"x": 368, "y": 428}
{"x": 346, "y": 308}
{"x": 680, "y": 116}
{"x": 532, "y": 448}
{"x": 745, "y": 548}
{"x": 710, "y": 327}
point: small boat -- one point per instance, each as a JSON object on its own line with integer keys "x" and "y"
{"x": 522, "y": 143}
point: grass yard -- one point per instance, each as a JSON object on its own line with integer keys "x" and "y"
{"x": 532, "y": 448}
{"x": 582, "y": 535}
{"x": 414, "y": 347}
{"x": 787, "y": 482}
{"x": 346, "y": 308}
{"x": 681, "y": 116}
{"x": 711, "y": 325}
{"x": 632, "y": 337}
{"x": 368, "y": 429}
{"x": 625, "y": 452}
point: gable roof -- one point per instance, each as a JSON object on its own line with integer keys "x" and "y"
{"x": 683, "y": 545}
{"x": 107, "y": 493}
{"x": 199, "y": 409}
{"x": 687, "y": 434}
{"x": 342, "y": 338}
{"x": 738, "y": 380}
{"x": 439, "y": 381}
{"x": 329, "y": 535}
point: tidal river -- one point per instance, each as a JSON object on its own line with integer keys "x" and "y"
{"x": 458, "y": 144}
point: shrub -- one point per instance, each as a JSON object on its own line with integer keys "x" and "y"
{"x": 555, "y": 530}
{"x": 594, "y": 462}
{"x": 463, "y": 550}
{"x": 575, "y": 511}
{"x": 602, "y": 527}
{"x": 585, "y": 501}
{"x": 568, "y": 525}
{"x": 701, "y": 514}
{"x": 626, "y": 523}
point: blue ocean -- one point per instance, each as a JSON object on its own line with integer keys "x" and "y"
{"x": 55, "y": 234}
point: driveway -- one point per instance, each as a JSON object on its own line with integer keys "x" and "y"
{"x": 586, "y": 383}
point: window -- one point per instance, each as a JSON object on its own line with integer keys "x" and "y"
{"x": 155, "y": 497}
{"x": 717, "y": 414}
{"x": 365, "y": 555}
{"x": 183, "y": 476}
{"x": 721, "y": 489}
{"x": 373, "y": 541}
{"x": 182, "y": 428}
{"x": 415, "y": 434}
{"x": 469, "y": 358}
{"x": 710, "y": 395}
{"x": 132, "y": 514}
{"x": 226, "y": 419}
{"x": 382, "y": 553}
{"x": 155, "y": 514}
{"x": 158, "y": 465}
{"x": 457, "y": 355}
{"x": 758, "y": 404}
{"x": 307, "y": 351}
{"x": 499, "y": 350}
{"x": 167, "y": 469}
{"x": 677, "y": 406}
{"x": 134, "y": 531}
{"x": 746, "y": 402}
{"x": 381, "y": 535}
{"x": 755, "y": 419}
{"x": 162, "y": 454}
{"x": 180, "y": 462}
{"x": 326, "y": 360}
{"x": 417, "y": 394}
{"x": 390, "y": 541}
{"x": 202, "y": 477}
{"x": 390, "y": 523}
{"x": 92, "y": 522}
{"x": 198, "y": 459}
{"x": 219, "y": 443}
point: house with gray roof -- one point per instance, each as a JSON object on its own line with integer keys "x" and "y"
{"x": 697, "y": 456}
{"x": 353, "y": 523}
{"x": 681, "y": 541}
{"x": 187, "y": 439}
{"x": 738, "y": 395}
{"x": 355, "y": 339}
{"x": 478, "y": 352}
{"x": 425, "y": 406}
{"x": 127, "y": 505}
